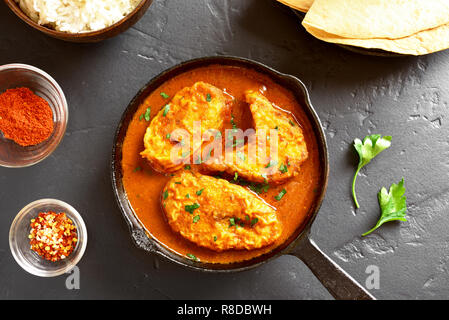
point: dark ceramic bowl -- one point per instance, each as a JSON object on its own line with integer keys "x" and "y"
{"x": 93, "y": 36}
{"x": 340, "y": 284}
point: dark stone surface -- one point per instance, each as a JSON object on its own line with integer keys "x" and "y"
{"x": 355, "y": 95}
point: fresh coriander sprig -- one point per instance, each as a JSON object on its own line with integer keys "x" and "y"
{"x": 392, "y": 205}
{"x": 368, "y": 149}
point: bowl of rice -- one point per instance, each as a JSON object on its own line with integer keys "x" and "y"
{"x": 80, "y": 20}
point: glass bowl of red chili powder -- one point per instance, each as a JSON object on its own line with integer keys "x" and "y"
{"x": 48, "y": 237}
{"x": 33, "y": 115}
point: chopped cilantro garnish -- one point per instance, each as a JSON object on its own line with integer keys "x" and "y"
{"x": 191, "y": 256}
{"x": 168, "y": 136}
{"x": 280, "y": 195}
{"x": 231, "y": 222}
{"x": 234, "y": 126}
{"x": 191, "y": 207}
{"x": 187, "y": 196}
{"x": 199, "y": 192}
{"x": 147, "y": 114}
{"x": 291, "y": 123}
{"x": 187, "y": 167}
{"x": 259, "y": 187}
{"x": 215, "y": 238}
{"x": 177, "y": 182}
{"x": 165, "y": 194}
{"x": 208, "y": 97}
{"x": 238, "y": 142}
{"x": 247, "y": 217}
{"x": 166, "y": 109}
{"x": 236, "y": 176}
{"x": 164, "y": 95}
{"x": 254, "y": 221}
{"x": 283, "y": 168}
{"x": 241, "y": 155}
{"x": 196, "y": 219}
{"x": 271, "y": 163}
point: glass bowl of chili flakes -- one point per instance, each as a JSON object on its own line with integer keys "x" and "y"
{"x": 33, "y": 115}
{"x": 48, "y": 237}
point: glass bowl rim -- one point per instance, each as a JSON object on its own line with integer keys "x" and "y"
{"x": 79, "y": 253}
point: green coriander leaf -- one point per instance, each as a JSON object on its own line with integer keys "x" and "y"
{"x": 283, "y": 168}
{"x": 291, "y": 123}
{"x": 254, "y": 221}
{"x": 238, "y": 142}
{"x": 191, "y": 207}
{"x": 191, "y": 256}
{"x": 241, "y": 155}
{"x": 208, "y": 97}
{"x": 215, "y": 238}
{"x": 265, "y": 178}
{"x": 164, "y": 95}
{"x": 368, "y": 149}
{"x": 196, "y": 219}
{"x": 234, "y": 125}
{"x": 188, "y": 196}
{"x": 271, "y": 163}
{"x": 166, "y": 110}
{"x": 392, "y": 205}
{"x": 231, "y": 222}
{"x": 141, "y": 117}
{"x": 259, "y": 187}
{"x": 280, "y": 195}
{"x": 265, "y": 187}
{"x": 147, "y": 114}
{"x": 187, "y": 167}
{"x": 236, "y": 176}
{"x": 165, "y": 195}
{"x": 199, "y": 192}
{"x": 177, "y": 182}
{"x": 168, "y": 136}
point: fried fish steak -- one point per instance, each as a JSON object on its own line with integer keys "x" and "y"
{"x": 191, "y": 112}
{"x": 218, "y": 215}
{"x": 275, "y": 129}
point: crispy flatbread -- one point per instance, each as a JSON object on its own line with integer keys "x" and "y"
{"x": 368, "y": 19}
{"x": 301, "y": 5}
{"x": 423, "y": 42}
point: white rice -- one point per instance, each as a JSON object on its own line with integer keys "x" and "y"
{"x": 76, "y": 16}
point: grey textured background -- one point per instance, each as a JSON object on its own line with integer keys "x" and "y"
{"x": 354, "y": 95}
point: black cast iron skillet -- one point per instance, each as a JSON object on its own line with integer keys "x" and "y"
{"x": 337, "y": 281}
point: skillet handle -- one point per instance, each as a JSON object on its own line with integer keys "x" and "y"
{"x": 339, "y": 284}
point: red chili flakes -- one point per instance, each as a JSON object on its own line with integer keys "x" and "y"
{"x": 53, "y": 235}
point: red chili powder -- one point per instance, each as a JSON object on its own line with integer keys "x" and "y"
{"x": 25, "y": 117}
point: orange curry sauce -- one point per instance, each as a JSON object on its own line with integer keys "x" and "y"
{"x": 143, "y": 185}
